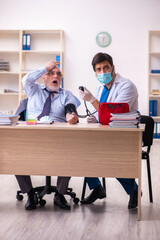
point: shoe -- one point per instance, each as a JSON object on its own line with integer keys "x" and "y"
{"x": 97, "y": 193}
{"x": 60, "y": 201}
{"x": 133, "y": 201}
{"x": 32, "y": 201}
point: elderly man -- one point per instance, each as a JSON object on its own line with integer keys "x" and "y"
{"x": 62, "y": 108}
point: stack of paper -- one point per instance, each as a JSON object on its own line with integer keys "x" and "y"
{"x": 125, "y": 120}
{"x": 8, "y": 119}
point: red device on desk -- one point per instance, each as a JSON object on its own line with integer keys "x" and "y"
{"x": 105, "y": 110}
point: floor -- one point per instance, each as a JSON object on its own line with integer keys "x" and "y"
{"x": 107, "y": 219}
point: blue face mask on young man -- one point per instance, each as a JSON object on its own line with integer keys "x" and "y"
{"x": 104, "y": 78}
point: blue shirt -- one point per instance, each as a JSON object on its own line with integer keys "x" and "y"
{"x": 104, "y": 95}
{"x": 37, "y": 95}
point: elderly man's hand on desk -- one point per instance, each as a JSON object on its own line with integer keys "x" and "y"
{"x": 71, "y": 118}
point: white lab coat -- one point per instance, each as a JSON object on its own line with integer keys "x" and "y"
{"x": 122, "y": 90}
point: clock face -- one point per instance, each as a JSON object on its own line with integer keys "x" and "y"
{"x": 103, "y": 39}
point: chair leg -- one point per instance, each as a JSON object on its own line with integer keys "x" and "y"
{"x": 84, "y": 189}
{"x": 48, "y": 180}
{"x": 149, "y": 180}
{"x": 47, "y": 189}
{"x": 104, "y": 184}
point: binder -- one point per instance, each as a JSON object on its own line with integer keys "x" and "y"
{"x": 24, "y": 42}
{"x": 156, "y": 130}
{"x": 150, "y": 108}
{"x": 155, "y": 70}
{"x": 28, "y": 41}
{"x": 58, "y": 60}
{"x": 154, "y": 107}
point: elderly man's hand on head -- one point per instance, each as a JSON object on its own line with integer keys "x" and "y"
{"x": 51, "y": 64}
{"x": 71, "y": 118}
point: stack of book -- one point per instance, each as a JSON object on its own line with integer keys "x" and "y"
{"x": 10, "y": 91}
{"x": 4, "y": 65}
{"x": 125, "y": 120}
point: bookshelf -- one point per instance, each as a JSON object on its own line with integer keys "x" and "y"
{"x": 154, "y": 79}
{"x": 15, "y": 62}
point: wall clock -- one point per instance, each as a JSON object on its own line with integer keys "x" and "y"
{"x": 103, "y": 39}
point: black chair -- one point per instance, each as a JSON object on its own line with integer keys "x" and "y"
{"x": 147, "y": 140}
{"x": 41, "y": 191}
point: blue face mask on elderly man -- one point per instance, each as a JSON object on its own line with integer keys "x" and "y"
{"x": 104, "y": 78}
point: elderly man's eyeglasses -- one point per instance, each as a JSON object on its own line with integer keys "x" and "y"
{"x": 52, "y": 73}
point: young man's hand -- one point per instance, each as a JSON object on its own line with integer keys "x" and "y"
{"x": 71, "y": 118}
{"x": 92, "y": 119}
{"x": 51, "y": 64}
{"x": 86, "y": 95}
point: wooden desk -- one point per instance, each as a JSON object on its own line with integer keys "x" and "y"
{"x": 61, "y": 149}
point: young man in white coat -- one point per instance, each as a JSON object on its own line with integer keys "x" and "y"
{"x": 114, "y": 88}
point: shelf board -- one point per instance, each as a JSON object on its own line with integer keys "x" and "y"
{"x": 154, "y": 96}
{"x": 9, "y": 51}
{"x": 154, "y": 53}
{"x": 9, "y": 31}
{"x": 42, "y": 31}
{"x": 41, "y": 51}
{"x": 6, "y": 72}
{"x": 156, "y": 118}
{"x": 9, "y": 94}
{"x": 154, "y": 74}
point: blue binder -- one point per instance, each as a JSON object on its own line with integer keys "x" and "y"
{"x": 150, "y": 108}
{"x": 24, "y": 42}
{"x": 28, "y": 41}
{"x": 155, "y": 70}
{"x": 154, "y": 107}
{"x": 58, "y": 60}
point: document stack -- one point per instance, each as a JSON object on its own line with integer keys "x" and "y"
{"x": 4, "y": 65}
{"x": 8, "y": 119}
{"x": 125, "y": 120}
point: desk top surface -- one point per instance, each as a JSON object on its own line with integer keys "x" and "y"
{"x": 67, "y": 126}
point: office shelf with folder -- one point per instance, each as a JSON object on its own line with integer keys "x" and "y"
{"x": 154, "y": 77}
{"x": 18, "y": 60}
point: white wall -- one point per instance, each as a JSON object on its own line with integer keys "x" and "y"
{"x": 127, "y": 21}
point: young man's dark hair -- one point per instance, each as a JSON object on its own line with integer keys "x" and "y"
{"x": 101, "y": 57}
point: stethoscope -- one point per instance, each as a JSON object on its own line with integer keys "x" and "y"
{"x": 88, "y": 113}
